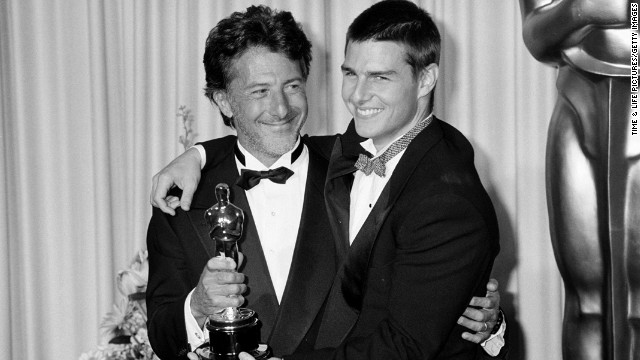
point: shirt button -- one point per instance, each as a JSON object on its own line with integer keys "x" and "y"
{"x": 273, "y": 213}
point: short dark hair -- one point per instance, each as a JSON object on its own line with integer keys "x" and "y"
{"x": 400, "y": 21}
{"x": 258, "y": 26}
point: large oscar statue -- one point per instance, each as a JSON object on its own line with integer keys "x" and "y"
{"x": 231, "y": 330}
{"x": 593, "y": 171}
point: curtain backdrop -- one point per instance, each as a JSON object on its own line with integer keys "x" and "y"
{"x": 89, "y": 93}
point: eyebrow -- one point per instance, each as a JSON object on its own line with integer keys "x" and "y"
{"x": 262, "y": 84}
{"x": 299, "y": 78}
{"x": 371, "y": 73}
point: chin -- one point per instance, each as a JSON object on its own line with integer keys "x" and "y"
{"x": 279, "y": 148}
{"x": 364, "y": 130}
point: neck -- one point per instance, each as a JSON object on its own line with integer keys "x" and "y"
{"x": 422, "y": 113}
{"x": 266, "y": 159}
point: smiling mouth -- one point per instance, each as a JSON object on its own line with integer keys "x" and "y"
{"x": 279, "y": 122}
{"x": 368, "y": 112}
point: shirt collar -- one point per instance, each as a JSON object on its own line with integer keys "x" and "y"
{"x": 247, "y": 160}
{"x": 369, "y": 147}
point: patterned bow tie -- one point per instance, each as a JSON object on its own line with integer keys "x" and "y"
{"x": 377, "y": 165}
{"x": 250, "y": 178}
{"x": 368, "y": 165}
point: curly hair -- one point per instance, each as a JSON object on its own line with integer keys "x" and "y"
{"x": 258, "y": 26}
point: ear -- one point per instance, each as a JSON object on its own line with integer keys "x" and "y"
{"x": 427, "y": 80}
{"x": 222, "y": 101}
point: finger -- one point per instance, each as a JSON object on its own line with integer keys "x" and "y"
{"x": 159, "y": 194}
{"x": 476, "y": 315}
{"x": 475, "y": 338}
{"x": 165, "y": 207}
{"x": 219, "y": 263}
{"x": 219, "y": 278}
{"x": 187, "y": 195}
{"x": 477, "y": 326}
{"x": 492, "y": 285}
{"x": 218, "y": 302}
{"x": 171, "y": 198}
{"x": 245, "y": 356}
{"x": 484, "y": 302}
{"x": 192, "y": 356}
{"x": 226, "y": 290}
{"x": 173, "y": 201}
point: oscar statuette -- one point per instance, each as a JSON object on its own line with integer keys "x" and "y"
{"x": 231, "y": 330}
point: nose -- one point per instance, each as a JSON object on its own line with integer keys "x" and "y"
{"x": 360, "y": 92}
{"x": 279, "y": 105}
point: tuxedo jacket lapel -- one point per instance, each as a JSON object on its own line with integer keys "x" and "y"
{"x": 223, "y": 171}
{"x": 312, "y": 269}
{"x": 339, "y": 317}
{"x": 337, "y": 199}
{"x": 338, "y": 189}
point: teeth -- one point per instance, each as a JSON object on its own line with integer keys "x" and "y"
{"x": 367, "y": 112}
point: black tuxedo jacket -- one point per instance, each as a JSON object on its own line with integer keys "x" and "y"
{"x": 179, "y": 247}
{"x": 426, "y": 248}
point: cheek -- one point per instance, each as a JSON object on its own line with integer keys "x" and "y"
{"x": 347, "y": 90}
{"x": 253, "y": 109}
{"x": 299, "y": 101}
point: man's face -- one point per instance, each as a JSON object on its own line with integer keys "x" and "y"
{"x": 380, "y": 90}
{"x": 267, "y": 100}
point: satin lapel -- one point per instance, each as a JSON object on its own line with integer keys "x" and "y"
{"x": 312, "y": 268}
{"x": 260, "y": 296}
{"x": 339, "y": 317}
{"x": 224, "y": 171}
{"x": 337, "y": 196}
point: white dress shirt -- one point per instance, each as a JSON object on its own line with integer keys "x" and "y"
{"x": 276, "y": 210}
{"x": 366, "y": 189}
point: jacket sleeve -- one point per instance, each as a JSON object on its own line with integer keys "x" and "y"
{"x": 167, "y": 289}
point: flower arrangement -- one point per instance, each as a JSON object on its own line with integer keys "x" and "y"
{"x": 188, "y": 139}
{"x": 125, "y": 327}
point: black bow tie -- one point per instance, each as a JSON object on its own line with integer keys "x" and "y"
{"x": 251, "y": 178}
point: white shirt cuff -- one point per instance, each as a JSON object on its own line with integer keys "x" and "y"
{"x": 203, "y": 154}
{"x": 195, "y": 335}
{"x": 495, "y": 342}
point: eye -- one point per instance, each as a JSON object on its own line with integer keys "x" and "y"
{"x": 294, "y": 86}
{"x": 348, "y": 73}
{"x": 260, "y": 92}
{"x": 380, "y": 78}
